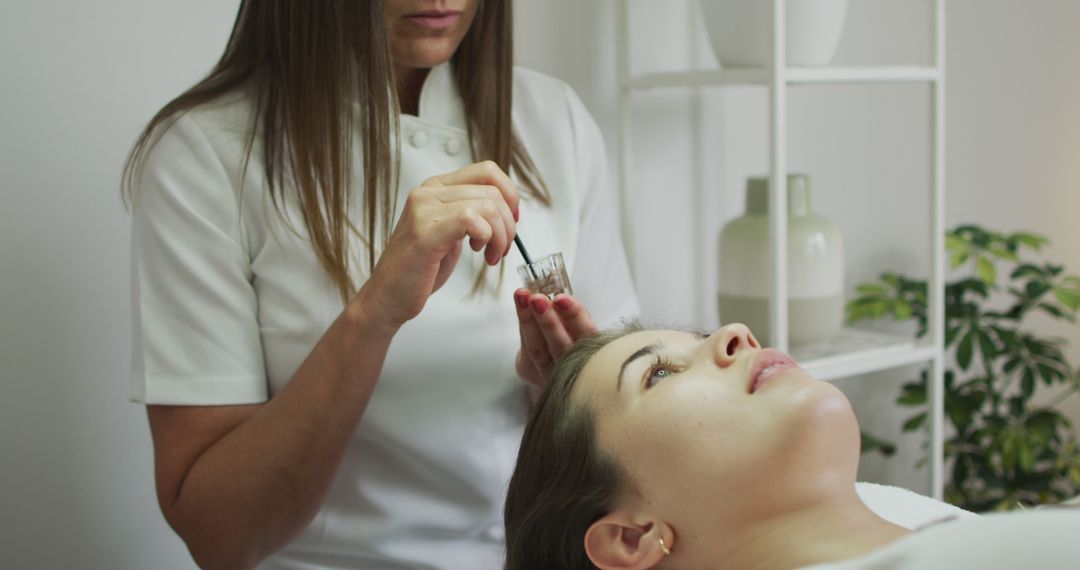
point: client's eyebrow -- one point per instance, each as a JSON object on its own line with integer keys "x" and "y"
{"x": 643, "y": 351}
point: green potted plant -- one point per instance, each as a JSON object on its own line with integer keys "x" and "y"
{"x": 1001, "y": 448}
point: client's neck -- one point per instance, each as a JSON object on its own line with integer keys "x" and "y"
{"x": 839, "y": 528}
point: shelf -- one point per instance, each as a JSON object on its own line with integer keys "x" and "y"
{"x": 795, "y": 76}
{"x": 856, "y": 351}
{"x": 893, "y": 74}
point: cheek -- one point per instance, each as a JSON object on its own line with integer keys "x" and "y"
{"x": 685, "y": 437}
{"x": 706, "y": 436}
{"x": 392, "y": 9}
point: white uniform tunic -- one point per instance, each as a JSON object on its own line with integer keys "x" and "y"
{"x": 227, "y": 302}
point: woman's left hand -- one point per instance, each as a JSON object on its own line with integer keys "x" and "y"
{"x": 548, "y": 328}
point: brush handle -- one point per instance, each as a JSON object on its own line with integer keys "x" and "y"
{"x": 525, "y": 255}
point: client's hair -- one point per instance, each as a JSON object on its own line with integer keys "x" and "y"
{"x": 563, "y": 481}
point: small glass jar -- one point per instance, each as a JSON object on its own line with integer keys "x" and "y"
{"x": 546, "y": 275}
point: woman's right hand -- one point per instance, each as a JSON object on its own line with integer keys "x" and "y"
{"x": 478, "y": 202}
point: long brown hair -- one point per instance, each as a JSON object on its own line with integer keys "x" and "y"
{"x": 563, "y": 481}
{"x": 304, "y": 64}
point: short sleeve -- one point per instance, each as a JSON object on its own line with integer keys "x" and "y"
{"x": 600, "y": 272}
{"x": 195, "y": 326}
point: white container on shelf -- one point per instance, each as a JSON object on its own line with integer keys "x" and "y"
{"x": 815, "y": 267}
{"x": 740, "y": 31}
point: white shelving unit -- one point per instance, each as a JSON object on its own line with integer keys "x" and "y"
{"x": 854, "y": 351}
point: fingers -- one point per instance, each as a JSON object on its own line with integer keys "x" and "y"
{"x": 425, "y": 245}
{"x": 527, "y": 370}
{"x": 556, "y": 337}
{"x": 533, "y": 343}
{"x": 548, "y": 328}
{"x": 482, "y": 173}
{"x": 486, "y": 222}
{"x": 489, "y": 203}
{"x": 485, "y": 228}
{"x": 578, "y": 321}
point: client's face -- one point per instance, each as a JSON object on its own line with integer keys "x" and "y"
{"x": 715, "y": 421}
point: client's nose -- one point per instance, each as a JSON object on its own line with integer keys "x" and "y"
{"x": 730, "y": 341}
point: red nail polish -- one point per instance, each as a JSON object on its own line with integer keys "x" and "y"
{"x": 562, "y": 303}
{"x": 539, "y": 305}
{"x": 522, "y": 301}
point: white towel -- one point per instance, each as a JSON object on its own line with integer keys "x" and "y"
{"x": 907, "y": 508}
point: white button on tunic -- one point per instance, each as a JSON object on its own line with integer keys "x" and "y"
{"x": 453, "y": 146}
{"x": 419, "y": 139}
{"x": 228, "y": 300}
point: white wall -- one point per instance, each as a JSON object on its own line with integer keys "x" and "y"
{"x": 80, "y": 78}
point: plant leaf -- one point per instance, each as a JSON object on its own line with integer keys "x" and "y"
{"x": 1035, "y": 289}
{"x": 987, "y": 271}
{"x": 1056, "y": 312}
{"x": 956, "y": 243}
{"x": 902, "y": 311}
{"x": 1004, "y": 253}
{"x": 986, "y": 345}
{"x": 1044, "y": 419}
{"x": 915, "y": 422}
{"x": 871, "y": 289}
{"x": 950, "y": 335}
{"x": 1049, "y": 374}
{"x": 1027, "y": 270}
{"x": 1030, "y": 240}
{"x": 1027, "y": 378}
{"x": 960, "y": 410}
{"x": 1027, "y": 456}
{"x": 958, "y": 258}
{"x": 871, "y": 442}
{"x": 1027, "y": 384}
{"x": 912, "y": 394}
{"x": 1068, "y": 297}
{"x": 964, "y": 350}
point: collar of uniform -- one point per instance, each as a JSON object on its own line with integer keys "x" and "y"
{"x": 440, "y": 102}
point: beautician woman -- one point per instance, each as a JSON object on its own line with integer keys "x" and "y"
{"x": 332, "y": 378}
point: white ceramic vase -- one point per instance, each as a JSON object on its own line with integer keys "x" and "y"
{"x": 815, "y": 267}
{"x": 740, "y": 31}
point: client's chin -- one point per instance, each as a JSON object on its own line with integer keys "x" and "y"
{"x": 824, "y": 426}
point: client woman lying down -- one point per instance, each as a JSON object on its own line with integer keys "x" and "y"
{"x": 668, "y": 449}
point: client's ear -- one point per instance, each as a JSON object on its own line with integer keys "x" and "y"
{"x": 625, "y": 541}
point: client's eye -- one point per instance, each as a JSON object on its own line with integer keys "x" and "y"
{"x": 660, "y": 369}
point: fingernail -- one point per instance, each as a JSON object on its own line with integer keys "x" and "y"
{"x": 539, "y": 305}
{"x": 562, "y": 303}
{"x": 517, "y": 215}
{"x": 522, "y": 301}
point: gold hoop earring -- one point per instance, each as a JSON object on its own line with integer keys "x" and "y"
{"x": 664, "y": 548}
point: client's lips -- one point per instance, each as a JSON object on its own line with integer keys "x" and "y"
{"x": 765, "y": 364}
{"x": 434, "y": 19}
